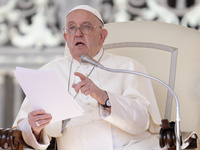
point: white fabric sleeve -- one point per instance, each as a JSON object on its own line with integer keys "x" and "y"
{"x": 128, "y": 114}
{"x": 29, "y": 137}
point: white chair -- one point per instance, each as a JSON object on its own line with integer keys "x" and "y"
{"x": 170, "y": 53}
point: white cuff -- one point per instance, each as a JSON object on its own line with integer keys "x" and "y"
{"x": 103, "y": 113}
{"x": 29, "y": 137}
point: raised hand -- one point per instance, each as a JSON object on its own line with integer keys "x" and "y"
{"x": 87, "y": 87}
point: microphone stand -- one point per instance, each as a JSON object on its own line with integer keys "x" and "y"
{"x": 87, "y": 59}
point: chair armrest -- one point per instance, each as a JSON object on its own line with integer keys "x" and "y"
{"x": 189, "y": 140}
{"x": 11, "y": 138}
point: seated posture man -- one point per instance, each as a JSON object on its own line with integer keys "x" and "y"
{"x": 120, "y": 110}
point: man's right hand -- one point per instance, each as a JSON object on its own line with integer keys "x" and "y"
{"x": 38, "y": 119}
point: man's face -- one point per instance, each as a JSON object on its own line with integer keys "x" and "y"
{"x": 80, "y": 43}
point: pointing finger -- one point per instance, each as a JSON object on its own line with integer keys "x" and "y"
{"x": 80, "y": 75}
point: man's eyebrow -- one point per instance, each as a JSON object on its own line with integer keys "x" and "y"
{"x": 86, "y": 22}
{"x": 72, "y": 22}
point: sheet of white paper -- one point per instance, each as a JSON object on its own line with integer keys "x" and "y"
{"x": 44, "y": 90}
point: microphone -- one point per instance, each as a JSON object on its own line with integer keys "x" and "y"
{"x": 87, "y": 59}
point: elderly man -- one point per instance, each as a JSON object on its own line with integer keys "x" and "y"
{"x": 120, "y": 110}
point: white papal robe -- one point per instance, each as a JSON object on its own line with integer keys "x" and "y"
{"x": 134, "y": 113}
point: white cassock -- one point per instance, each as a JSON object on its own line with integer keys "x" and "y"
{"x": 134, "y": 112}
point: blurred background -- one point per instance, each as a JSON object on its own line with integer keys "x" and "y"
{"x": 31, "y": 34}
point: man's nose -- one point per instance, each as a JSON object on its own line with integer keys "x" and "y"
{"x": 78, "y": 31}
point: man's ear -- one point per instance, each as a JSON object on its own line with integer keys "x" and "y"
{"x": 104, "y": 34}
{"x": 65, "y": 36}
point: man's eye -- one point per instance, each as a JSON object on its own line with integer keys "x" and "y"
{"x": 71, "y": 27}
{"x": 86, "y": 27}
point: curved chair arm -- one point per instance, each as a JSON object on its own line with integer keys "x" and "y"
{"x": 11, "y": 138}
{"x": 189, "y": 140}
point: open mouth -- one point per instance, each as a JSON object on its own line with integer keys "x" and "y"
{"x": 79, "y": 44}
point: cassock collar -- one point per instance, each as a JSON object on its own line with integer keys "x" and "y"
{"x": 87, "y": 65}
